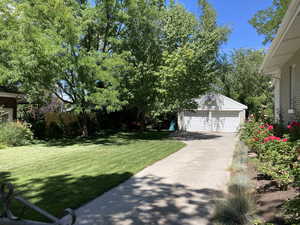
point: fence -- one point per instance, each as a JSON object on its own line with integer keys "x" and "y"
{"x": 7, "y": 217}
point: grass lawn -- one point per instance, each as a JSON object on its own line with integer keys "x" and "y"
{"x": 68, "y": 173}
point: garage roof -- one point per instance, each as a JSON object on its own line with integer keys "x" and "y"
{"x": 286, "y": 42}
{"x": 219, "y": 102}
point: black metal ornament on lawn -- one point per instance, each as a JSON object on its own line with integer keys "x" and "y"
{"x": 7, "y": 195}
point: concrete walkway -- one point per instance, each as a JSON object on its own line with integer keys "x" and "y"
{"x": 178, "y": 190}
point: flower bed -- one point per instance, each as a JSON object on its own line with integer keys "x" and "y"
{"x": 279, "y": 154}
{"x": 278, "y": 151}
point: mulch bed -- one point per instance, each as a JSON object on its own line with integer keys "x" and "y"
{"x": 269, "y": 198}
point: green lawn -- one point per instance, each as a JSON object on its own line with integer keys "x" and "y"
{"x": 69, "y": 173}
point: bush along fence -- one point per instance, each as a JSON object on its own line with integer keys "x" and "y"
{"x": 278, "y": 151}
{"x": 15, "y": 134}
{"x": 238, "y": 205}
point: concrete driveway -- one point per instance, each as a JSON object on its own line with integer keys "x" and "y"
{"x": 178, "y": 190}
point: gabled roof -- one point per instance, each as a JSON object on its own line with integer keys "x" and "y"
{"x": 218, "y": 102}
{"x": 287, "y": 41}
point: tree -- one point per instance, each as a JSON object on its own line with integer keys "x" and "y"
{"x": 138, "y": 53}
{"x": 267, "y": 21}
{"x": 180, "y": 61}
{"x": 240, "y": 78}
{"x": 63, "y": 48}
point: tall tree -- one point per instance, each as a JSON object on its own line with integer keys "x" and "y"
{"x": 240, "y": 78}
{"x": 267, "y": 21}
{"x": 62, "y": 47}
{"x": 135, "y": 52}
{"x": 189, "y": 65}
{"x": 181, "y": 55}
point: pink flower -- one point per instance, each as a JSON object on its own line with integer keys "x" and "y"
{"x": 294, "y": 124}
{"x": 270, "y": 127}
{"x": 262, "y": 126}
{"x": 284, "y": 140}
{"x": 271, "y": 138}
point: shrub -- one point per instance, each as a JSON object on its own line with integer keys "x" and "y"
{"x": 278, "y": 160}
{"x": 237, "y": 209}
{"x": 15, "y": 134}
{"x": 292, "y": 210}
{"x": 2, "y": 146}
{"x": 294, "y": 130}
{"x": 238, "y": 206}
{"x": 254, "y": 133}
{"x": 278, "y": 155}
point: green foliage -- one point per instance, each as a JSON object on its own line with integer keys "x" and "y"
{"x": 294, "y": 130}
{"x": 114, "y": 53}
{"x": 15, "y": 134}
{"x": 234, "y": 210}
{"x": 278, "y": 156}
{"x": 2, "y": 146}
{"x": 182, "y": 56}
{"x": 292, "y": 210}
{"x": 279, "y": 161}
{"x": 253, "y": 134}
{"x": 267, "y": 21}
{"x": 240, "y": 78}
{"x": 58, "y": 48}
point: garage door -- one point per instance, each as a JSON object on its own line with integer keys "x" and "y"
{"x": 221, "y": 121}
{"x": 225, "y": 121}
{"x": 197, "y": 121}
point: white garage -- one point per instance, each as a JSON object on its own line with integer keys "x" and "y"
{"x": 215, "y": 113}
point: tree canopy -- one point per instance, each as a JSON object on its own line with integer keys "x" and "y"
{"x": 240, "y": 78}
{"x": 267, "y": 21}
{"x": 144, "y": 54}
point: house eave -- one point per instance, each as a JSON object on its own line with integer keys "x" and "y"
{"x": 278, "y": 54}
{"x": 9, "y": 95}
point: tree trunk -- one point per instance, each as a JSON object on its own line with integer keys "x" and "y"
{"x": 84, "y": 124}
{"x": 141, "y": 119}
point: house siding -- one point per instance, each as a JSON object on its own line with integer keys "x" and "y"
{"x": 285, "y": 89}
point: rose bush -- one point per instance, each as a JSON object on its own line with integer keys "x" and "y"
{"x": 294, "y": 130}
{"x": 279, "y": 156}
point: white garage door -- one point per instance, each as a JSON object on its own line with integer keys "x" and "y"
{"x": 221, "y": 121}
{"x": 197, "y": 121}
{"x": 225, "y": 121}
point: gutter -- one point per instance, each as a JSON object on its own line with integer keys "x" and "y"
{"x": 290, "y": 16}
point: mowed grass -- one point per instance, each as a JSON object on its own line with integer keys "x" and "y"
{"x": 68, "y": 173}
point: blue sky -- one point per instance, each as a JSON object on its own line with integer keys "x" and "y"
{"x": 235, "y": 14}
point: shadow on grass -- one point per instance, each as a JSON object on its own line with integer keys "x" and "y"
{"x": 56, "y": 193}
{"x": 142, "y": 200}
{"x": 6, "y": 177}
{"x": 111, "y": 138}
